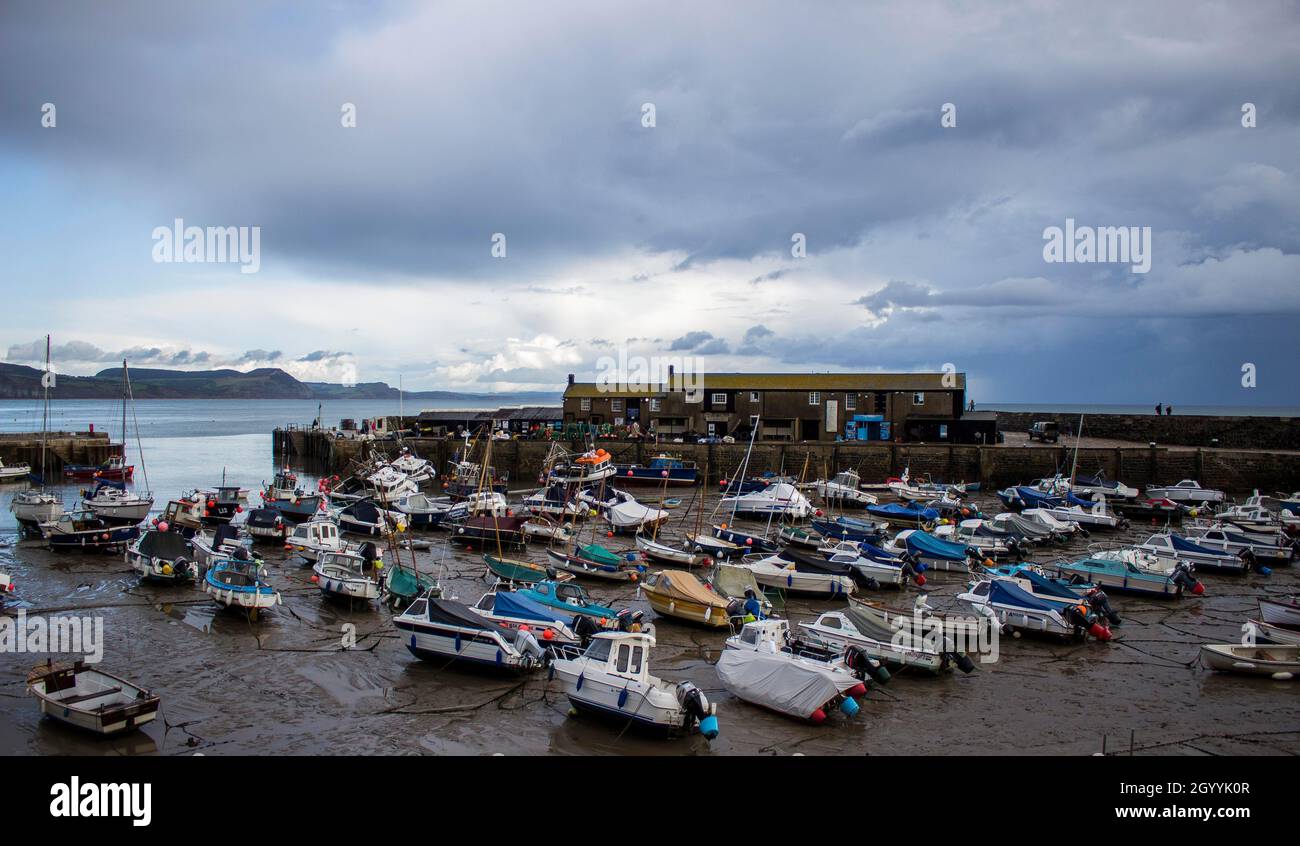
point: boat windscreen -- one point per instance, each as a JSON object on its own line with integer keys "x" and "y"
{"x": 168, "y": 546}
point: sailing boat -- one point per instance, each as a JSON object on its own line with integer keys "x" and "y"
{"x": 110, "y": 500}
{"x": 33, "y": 507}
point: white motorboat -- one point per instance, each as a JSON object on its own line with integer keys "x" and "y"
{"x": 163, "y": 556}
{"x": 556, "y": 500}
{"x": 91, "y": 699}
{"x": 419, "y": 470}
{"x": 315, "y": 536}
{"x": 112, "y": 502}
{"x": 220, "y": 542}
{"x": 1172, "y": 547}
{"x": 1232, "y": 541}
{"x": 1056, "y": 527}
{"x": 1278, "y": 661}
{"x": 364, "y": 517}
{"x": 443, "y": 631}
{"x": 478, "y": 503}
{"x": 612, "y": 678}
{"x": 777, "y": 572}
{"x": 1187, "y": 492}
{"x": 883, "y": 570}
{"x": 1284, "y": 611}
{"x": 623, "y": 513}
{"x": 350, "y": 575}
{"x": 1248, "y": 515}
{"x": 1012, "y": 608}
{"x": 765, "y": 666}
{"x": 420, "y": 511}
{"x": 240, "y": 582}
{"x": 843, "y": 491}
{"x": 974, "y": 533}
{"x": 588, "y": 468}
{"x": 391, "y": 484}
{"x": 14, "y": 472}
{"x": 1100, "y": 486}
{"x": 839, "y": 630}
{"x": 34, "y": 507}
{"x": 513, "y": 610}
{"x": 780, "y": 499}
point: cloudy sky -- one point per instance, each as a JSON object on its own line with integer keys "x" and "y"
{"x": 924, "y": 242}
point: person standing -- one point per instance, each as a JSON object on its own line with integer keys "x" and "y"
{"x": 1159, "y": 408}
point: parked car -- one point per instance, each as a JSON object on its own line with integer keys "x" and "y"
{"x": 1045, "y": 431}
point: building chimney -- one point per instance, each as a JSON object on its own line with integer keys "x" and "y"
{"x": 570, "y": 378}
{"x": 670, "y": 377}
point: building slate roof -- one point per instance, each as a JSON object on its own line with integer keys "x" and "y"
{"x": 863, "y": 382}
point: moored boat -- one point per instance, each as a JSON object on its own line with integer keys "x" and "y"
{"x": 520, "y": 571}
{"x": 1284, "y": 611}
{"x": 91, "y": 699}
{"x": 596, "y": 561}
{"x": 673, "y": 593}
{"x": 663, "y": 469}
{"x": 1278, "y": 661}
{"x": 446, "y": 631}
{"x": 162, "y": 556}
{"x": 85, "y": 532}
{"x": 111, "y": 502}
{"x": 350, "y": 575}
{"x": 239, "y": 582}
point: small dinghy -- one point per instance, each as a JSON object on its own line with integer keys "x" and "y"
{"x": 838, "y": 630}
{"x": 91, "y": 699}
{"x": 1262, "y": 632}
{"x": 595, "y": 561}
{"x": 673, "y": 593}
{"x": 669, "y": 554}
{"x": 1281, "y": 612}
{"x": 265, "y": 525}
{"x": 350, "y": 576}
{"x": 239, "y": 582}
{"x": 162, "y": 556}
{"x": 764, "y": 666}
{"x": 612, "y": 678}
{"x": 315, "y": 536}
{"x": 715, "y": 547}
{"x": 82, "y": 531}
{"x": 446, "y": 631}
{"x": 111, "y": 502}
{"x": 799, "y": 536}
{"x": 571, "y": 598}
{"x": 748, "y": 540}
{"x": 518, "y": 571}
{"x": 1276, "y": 660}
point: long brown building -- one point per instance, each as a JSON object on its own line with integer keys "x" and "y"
{"x": 786, "y": 406}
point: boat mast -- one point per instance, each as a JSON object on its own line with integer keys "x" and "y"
{"x": 45, "y": 415}
{"x": 124, "y": 388}
{"x": 139, "y": 446}
{"x": 1078, "y": 437}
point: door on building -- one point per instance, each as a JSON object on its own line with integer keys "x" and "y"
{"x": 808, "y": 429}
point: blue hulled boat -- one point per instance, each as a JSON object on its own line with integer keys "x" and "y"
{"x": 849, "y": 529}
{"x": 662, "y": 469}
{"x": 903, "y": 515}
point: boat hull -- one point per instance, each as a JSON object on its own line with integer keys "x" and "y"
{"x": 1280, "y": 613}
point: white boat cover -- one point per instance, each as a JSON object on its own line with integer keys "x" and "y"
{"x": 779, "y": 682}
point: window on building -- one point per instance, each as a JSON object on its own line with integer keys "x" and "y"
{"x": 918, "y": 398}
{"x": 584, "y": 404}
{"x": 814, "y": 398}
{"x": 719, "y": 399}
{"x": 881, "y": 400}
{"x": 754, "y": 396}
{"x": 850, "y": 402}
{"x": 656, "y": 405}
{"x": 616, "y": 405}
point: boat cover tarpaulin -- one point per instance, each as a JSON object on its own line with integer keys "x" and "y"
{"x": 599, "y": 554}
{"x": 263, "y": 518}
{"x": 877, "y": 554}
{"x": 1182, "y": 544}
{"x": 452, "y": 613}
{"x": 165, "y": 545}
{"x": 1036, "y": 498}
{"x": 1044, "y": 585}
{"x": 684, "y": 586}
{"x": 928, "y": 546}
{"x": 870, "y": 626}
{"x": 806, "y": 563}
{"x": 1071, "y": 499}
{"x": 780, "y": 683}
{"x": 1025, "y": 526}
{"x": 1003, "y": 592}
{"x": 905, "y": 512}
{"x": 732, "y": 581}
{"x": 511, "y": 604}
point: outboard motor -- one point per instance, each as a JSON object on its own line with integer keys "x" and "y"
{"x": 1014, "y": 547}
{"x": 864, "y": 666}
{"x": 528, "y": 645}
{"x": 693, "y": 702}
{"x": 183, "y": 567}
{"x": 585, "y": 628}
{"x": 1084, "y": 621}
{"x": 910, "y": 570}
{"x": 551, "y": 573}
{"x": 1183, "y": 579}
{"x": 1252, "y": 562}
{"x": 1101, "y": 605}
{"x": 862, "y": 580}
{"x": 241, "y": 554}
{"x": 962, "y": 660}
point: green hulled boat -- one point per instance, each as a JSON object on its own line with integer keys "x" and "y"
{"x": 404, "y": 585}
{"x": 524, "y": 572}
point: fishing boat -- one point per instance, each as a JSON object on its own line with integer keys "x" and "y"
{"x": 663, "y": 469}
{"x": 389, "y": 484}
{"x": 111, "y": 502}
{"x": 1270, "y": 633}
{"x": 516, "y": 611}
{"x": 673, "y": 593}
{"x": 446, "y": 631}
{"x": 265, "y": 525}
{"x": 612, "y": 678}
{"x": 850, "y": 529}
{"x": 911, "y": 514}
{"x": 805, "y": 576}
{"x": 683, "y": 555}
{"x": 91, "y": 699}
{"x": 1014, "y": 609}
{"x": 239, "y": 582}
{"x": 595, "y": 561}
{"x": 522, "y": 572}
{"x": 1284, "y": 611}
{"x": 419, "y": 470}
{"x": 1115, "y": 573}
{"x": 350, "y": 575}
{"x": 83, "y": 531}
{"x": 765, "y": 666}
{"x": 162, "y": 556}
{"x": 1188, "y": 491}
{"x": 570, "y": 597}
{"x": 468, "y": 478}
{"x": 490, "y": 530}
{"x": 843, "y": 491}
{"x": 838, "y": 630}
{"x": 315, "y": 536}
{"x": 622, "y": 513}
{"x": 477, "y": 505}
{"x": 1278, "y": 661}
{"x": 286, "y": 496}
{"x": 1176, "y": 548}
{"x": 590, "y": 467}
{"x": 779, "y": 499}
{"x": 220, "y": 504}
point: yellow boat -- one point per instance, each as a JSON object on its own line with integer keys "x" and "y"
{"x": 677, "y": 594}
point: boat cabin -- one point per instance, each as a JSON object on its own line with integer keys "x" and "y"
{"x": 625, "y": 654}
{"x": 315, "y": 533}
